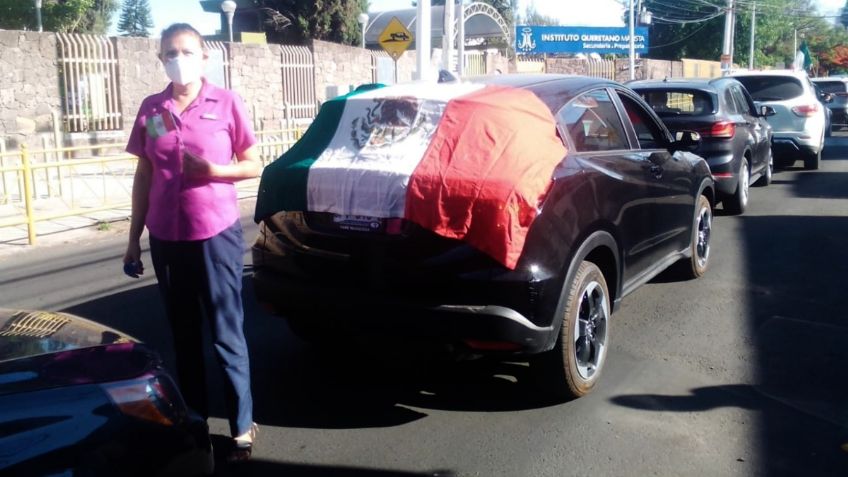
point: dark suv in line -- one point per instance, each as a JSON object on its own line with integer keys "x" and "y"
{"x": 735, "y": 137}
{"x": 343, "y": 248}
{"x": 837, "y": 89}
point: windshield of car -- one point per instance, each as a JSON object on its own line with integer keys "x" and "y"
{"x": 832, "y": 86}
{"x": 678, "y": 102}
{"x": 772, "y": 88}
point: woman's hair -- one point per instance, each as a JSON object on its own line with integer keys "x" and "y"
{"x": 178, "y": 28}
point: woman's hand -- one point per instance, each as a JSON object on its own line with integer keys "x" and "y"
{"x": 133, "y": 256}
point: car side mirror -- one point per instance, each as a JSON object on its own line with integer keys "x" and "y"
{"x": 686, "y": 141}
{"x": 766, "y": 111}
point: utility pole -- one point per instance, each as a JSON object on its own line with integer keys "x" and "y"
{"x": 460, "y": 43}
{"x": 753, "y": 35}
{"x": 633, "y": 43}
{"x": 447, "y": 37}
{"x": 422, "y": 40}
{"x": 727, "y": 46}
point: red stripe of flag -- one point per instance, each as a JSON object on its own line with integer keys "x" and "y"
{"x": 486, "y": 170}
{"x": 168, "y": 121}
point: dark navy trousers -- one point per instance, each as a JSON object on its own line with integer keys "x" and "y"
{"x": 200, "y": 279}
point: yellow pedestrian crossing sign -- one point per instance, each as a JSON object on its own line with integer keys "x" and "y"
{"x": 395, "y": 38}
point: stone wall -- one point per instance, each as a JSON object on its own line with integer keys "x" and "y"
{"x": 140, "y": 74}
{"x": 29, "y": 86}
{"x": 648, "y": 69}
{"x": 567, "y": 66}
{"x": 30, "y": 89}
{"x": 255, "y": 75}
{"x": 645, "y": 68}
{"x": 339, "y": 68}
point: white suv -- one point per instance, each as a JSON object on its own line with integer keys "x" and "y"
{"x": 799, "y": 120}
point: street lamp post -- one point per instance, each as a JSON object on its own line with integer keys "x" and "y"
{"x": 632, "y": 43}
{"x": 229, "y": 9}
{"x": 38, "y": 15}
{"x": 363, "y": 20}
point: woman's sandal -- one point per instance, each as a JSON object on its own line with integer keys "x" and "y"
{"x": 243, "y": 448}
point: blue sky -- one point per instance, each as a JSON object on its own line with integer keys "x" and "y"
{"x": 570, "y": 12}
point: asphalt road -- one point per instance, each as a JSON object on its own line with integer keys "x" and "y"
{"x": 744, "y": 372}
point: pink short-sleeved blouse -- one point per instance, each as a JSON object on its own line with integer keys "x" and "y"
{"x": 215, "y": 126}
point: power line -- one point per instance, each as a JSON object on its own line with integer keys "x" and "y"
{"x": 680, "y": 40}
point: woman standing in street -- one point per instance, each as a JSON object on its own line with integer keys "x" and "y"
{"x": 185, "y": 138}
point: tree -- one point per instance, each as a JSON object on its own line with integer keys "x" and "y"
{"x": 777, "y": 21}
{"x": 135, "y": 18}
{"x": 843, "y": 15}
{"x": 65, "y": 16}
{"x": 330, "y": 20}
{"x": 98, "y": 18}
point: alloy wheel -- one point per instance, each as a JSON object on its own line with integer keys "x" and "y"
{"x": 590, "y": 330}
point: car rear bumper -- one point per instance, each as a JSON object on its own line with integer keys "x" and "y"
{"x": 348, "y": 310}
{"x": 788, "y": 147}
{"x": 726, "y": 172}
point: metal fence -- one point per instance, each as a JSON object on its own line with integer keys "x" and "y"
{"x": 88, "y": 68}
{"x": 601, "y": 69}
{"x": 475, "y": 63}
{"x": 298, "y": 75}
{"x": 525, "y": 64}
{"x": 32, "y": 180}
{"x": 219, "y": 49}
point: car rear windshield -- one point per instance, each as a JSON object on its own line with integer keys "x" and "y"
{"x": 678, "y": 102}
{"x": 772, "y": 88}
{"x": 832, "y": 86}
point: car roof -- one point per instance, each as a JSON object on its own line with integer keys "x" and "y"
{"x": 533, "y": 81}
{"x": 831, "y": 78}
{"x": 793, "y": 73}
{"x": 553, "y": 89}
{"x": 709, "y": 85}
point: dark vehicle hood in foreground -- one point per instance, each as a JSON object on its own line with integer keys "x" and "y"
{"x": 27, "y": 333}
{"x": 40, "y": 350}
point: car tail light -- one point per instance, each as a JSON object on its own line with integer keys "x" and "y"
{"x": 806, "y": 110}
{"x": 721, "y": 129}
{"x": 151, "y": 399}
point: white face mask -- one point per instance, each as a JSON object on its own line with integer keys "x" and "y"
{"x": 184, "y": 70}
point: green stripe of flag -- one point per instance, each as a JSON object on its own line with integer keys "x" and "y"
{"x": 283, "y": 184}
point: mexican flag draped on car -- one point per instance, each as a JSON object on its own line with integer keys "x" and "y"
{"x": 466, "y": 161}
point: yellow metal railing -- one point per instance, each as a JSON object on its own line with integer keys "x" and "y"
{"x": 272, "y": 143}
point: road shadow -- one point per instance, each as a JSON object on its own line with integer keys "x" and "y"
{"x": 360, "y": 382}
{"x": 815, "y": 185}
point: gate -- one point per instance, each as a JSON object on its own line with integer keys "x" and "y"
{"x": 298, "y": 72}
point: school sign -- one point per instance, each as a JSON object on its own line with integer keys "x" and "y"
{"x": 555, "y": 39}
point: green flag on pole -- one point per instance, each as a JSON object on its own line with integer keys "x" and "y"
{"x": 808, "y": 58}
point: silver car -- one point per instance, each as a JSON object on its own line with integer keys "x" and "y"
{"x": 799, "y": 122}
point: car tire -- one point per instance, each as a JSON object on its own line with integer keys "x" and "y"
{"x": 811, "y": 162}
{"x": 572, "y": 368}
{"x": 738, "y": 202}
{"x": 699, "y": 247}
{"x": 767, "y": 176}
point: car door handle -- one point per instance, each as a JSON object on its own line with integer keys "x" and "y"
{"x": 656, "y": 171}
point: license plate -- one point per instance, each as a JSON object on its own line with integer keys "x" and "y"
{"x": 358, "y": 223}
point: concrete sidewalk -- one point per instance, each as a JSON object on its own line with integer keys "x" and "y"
{"x": 88, "y": 227}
